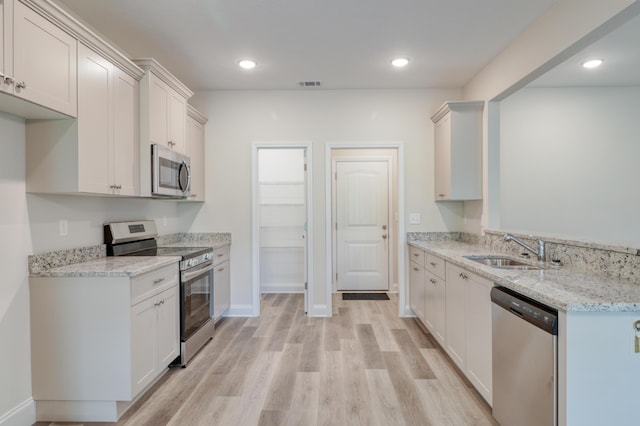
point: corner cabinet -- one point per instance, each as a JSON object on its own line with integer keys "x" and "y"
{"x": 163, "y": 115}
{"x": 98, "y": 152}
{"x": 458, "y": 151}
{"x": 99, "y": 342}
{"x": 195, "y": 150}
{"x": 221, "y": 282}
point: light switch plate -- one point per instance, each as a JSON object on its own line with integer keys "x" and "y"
{"x": 414, "y": 219}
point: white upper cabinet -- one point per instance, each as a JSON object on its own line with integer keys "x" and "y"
{"x": 44, "y": 62}
{"x": 6, "y": 43}
{"x": 195, "y": 150}
{"x": 458, "y": 151}
{"x": 97, "y": 152}
{"x": 163, "y": 115}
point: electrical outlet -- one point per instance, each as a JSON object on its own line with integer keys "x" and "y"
{"x": 414, "y": 219}
{"x": 64, "y": 228}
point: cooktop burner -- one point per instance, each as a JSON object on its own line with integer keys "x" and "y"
{"x": 184, "y": 252}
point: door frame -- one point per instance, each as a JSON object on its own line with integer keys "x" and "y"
{"x": 255, "y": 219}
{"x": 403, "y": 308}
{"x": 334, "y": 197}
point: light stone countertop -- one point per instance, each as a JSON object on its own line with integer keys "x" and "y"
{"x": 119, "y": 266}
{"x": 200, "y": 243}
{"x": 562, "y": 288}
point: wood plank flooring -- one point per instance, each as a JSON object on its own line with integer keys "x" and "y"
{"x": 363, "y": 366}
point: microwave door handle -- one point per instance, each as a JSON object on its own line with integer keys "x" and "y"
{"x": 185, "y": 166}
{"x": 188, "y": 276}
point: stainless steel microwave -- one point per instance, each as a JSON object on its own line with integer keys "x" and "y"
{"x": 170, "y": 173}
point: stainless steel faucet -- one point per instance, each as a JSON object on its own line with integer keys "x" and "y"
{"x": 540, "y": 252}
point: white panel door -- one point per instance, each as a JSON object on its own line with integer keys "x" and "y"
{"x": 362, "y": 225}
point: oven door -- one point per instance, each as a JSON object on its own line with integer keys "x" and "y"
{"x": 196, "y": 292}
{"x": 170, "y": 173}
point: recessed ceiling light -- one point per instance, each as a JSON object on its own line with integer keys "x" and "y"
{"x": 592, "y": 63}
{"x": 400, "y": 62}
{"x": 247, "y": 64}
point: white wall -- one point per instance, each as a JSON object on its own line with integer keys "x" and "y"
{"x": 569, "y": 163}
{"x": 236, "y": 119}
{"x": 565, "y": 29}
{"x": 15, "y": 354}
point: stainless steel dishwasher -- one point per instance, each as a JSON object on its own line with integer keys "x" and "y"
{"x": 524, "y": 360}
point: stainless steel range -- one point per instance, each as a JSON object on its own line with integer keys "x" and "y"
{"x": 196, "y": 279}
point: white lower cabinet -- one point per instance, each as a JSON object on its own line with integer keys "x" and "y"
{"x": 221, "y": 282}
{"x": 455, "y": 306}
{"x": 435, "y": 312}
{"x": 479, "y": 361}
{"x": 98, "y": 342}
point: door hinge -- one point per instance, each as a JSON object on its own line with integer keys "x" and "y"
{"x": 336, "y": 175}
{"x": 336, "y": 226}
{"x": 336, "y": 276}
{"x": 305, "y": 167}
{"x": 306, "y": 286}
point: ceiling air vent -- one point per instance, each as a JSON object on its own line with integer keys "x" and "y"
{"x": 309, "y": 83}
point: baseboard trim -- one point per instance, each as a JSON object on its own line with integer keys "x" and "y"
{"x": 240, "y": 311}
{"x": 319, "y": 311}
{"x": 23, "y": 414}
{"x": 282, "y": 289}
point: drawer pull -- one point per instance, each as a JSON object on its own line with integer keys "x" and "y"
{"x": 434, "y": 264}
{"x": 220, "y": 254}
{"x": 416, "y": 254}
{"x": 220, "y": 270}
{"x": 158, "y": 281}
{"x": 432, "y": 281}
{"x": 415, "y": 269}
{"x": 463, "y": 276}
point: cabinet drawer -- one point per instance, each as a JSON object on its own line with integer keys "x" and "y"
{"x": 435, "y": 265}
{"x": 416, "y": 255}
{"x": 221, "y": 254}
{"x": 153, "y": 282}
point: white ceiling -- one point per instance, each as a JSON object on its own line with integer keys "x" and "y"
{"x": 342, "y": 43}
{"x": 620, "y": 51}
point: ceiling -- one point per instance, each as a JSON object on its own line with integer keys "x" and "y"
{"x": 621, "y": 67}
{"x": 344, "y": 44}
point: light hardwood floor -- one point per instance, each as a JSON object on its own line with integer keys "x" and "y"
{"x": 363, "y": 366}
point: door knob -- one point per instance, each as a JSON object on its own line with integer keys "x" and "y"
{"x": 384, "y": 236}
{"x": 384, "y": 227}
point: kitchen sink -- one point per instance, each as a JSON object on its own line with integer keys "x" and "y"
{"x": 502, "y": 262}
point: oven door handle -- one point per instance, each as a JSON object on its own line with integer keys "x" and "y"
{"x": 188, "y": 276}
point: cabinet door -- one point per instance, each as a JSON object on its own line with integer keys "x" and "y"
{"x": 125, "y": 140}
{"x": 443, "y": 158}
{"x": 417, "y": 296}
{"x": 479, "y": 368}
{"x": 144, "y": 325}
{"x": 177, "y": 122}
{"x": 195, "y": 145}
{"x": 6, "y": 42}
{"x": 439, "y": 311}
{"x": 168, "y": 326}
{"x": 456, "y": 306}
{"x": 159, "y": 94}
{"x": 95, "y": 123}
{"x": 221, "y": 289}
{"x": 44, "y": 62}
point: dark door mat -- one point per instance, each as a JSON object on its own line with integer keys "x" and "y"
{"x": 365, "y": 296}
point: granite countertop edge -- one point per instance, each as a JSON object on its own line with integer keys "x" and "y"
{"x": 561, "y": 288}
{"x": 119, "y": 266}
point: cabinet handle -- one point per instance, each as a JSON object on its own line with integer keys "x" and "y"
{"x": 463, "y": 276}
{"x": 21, "y": 85}
{"x": 220, "y": 270}
{"x": 434, "y": 264}
{"x": 441, "y": 195}
{"x": 193, "y": 195}
{"x": 6, "y": 79}
{"x": 112, "y": 186}
{"x": 159, "y": 280}
{"x": 156, "y": 303}
{"x": 219, "y": 254}
{"x": 162, "y": 302}
{"x": 416, "y": 254}
{"x": 415, "y": 269}
{"x": 432, "y": 281}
